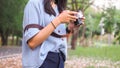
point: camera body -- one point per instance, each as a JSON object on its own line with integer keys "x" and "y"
{"x": 80, "y": 17}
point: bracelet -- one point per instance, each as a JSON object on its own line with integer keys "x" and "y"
{"x": 53, "y": 25}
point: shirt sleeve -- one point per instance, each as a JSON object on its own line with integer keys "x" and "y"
{"x": 30, "y": 17}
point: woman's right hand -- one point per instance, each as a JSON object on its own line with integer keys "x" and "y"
{"x": 67, "y": 16}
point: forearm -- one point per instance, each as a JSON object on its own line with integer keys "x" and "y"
{"x": 43, "y": 34}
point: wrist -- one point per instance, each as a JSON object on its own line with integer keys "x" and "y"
{"x": 56, "y": 22}
{"x": 58, "y": 19}
{"x": 53, "y": 24}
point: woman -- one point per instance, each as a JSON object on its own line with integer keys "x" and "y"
{"x": 44, "y": 37}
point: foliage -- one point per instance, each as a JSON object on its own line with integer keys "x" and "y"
{"x": 92, "y": 22}
{"x": 11, "y": 18}
{"x": 92, "y": 18}
{"x": 117, "y": 26}
{"x": 109, "y": 19}
{"x": 79, "y": 4}
{"x": 112, "y": 22}
{"x": 76, "y": 5}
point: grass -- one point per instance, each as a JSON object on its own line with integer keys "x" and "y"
{"x": 107, "y": 52}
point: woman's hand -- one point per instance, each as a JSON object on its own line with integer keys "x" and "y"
{"x": 66, "y": 16}
{"x": 72, "y": 26}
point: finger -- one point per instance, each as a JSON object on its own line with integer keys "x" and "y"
{"x": 72, "y": 12}
{"x": 83, "y": 18}
{"x": 73, "y": 17}
{"x": 73, "y": 20}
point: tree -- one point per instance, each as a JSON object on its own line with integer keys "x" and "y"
{"x": 117, "y": 26}
{"x": 92, "y": 24}
{"x": 11, "y": 18}
{"x": 109, "y": 21}
{"x": 78, "y": 5}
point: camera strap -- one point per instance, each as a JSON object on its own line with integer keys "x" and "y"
{"x": 41, "y": 27}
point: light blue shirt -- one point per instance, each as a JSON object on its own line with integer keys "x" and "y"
{"x": 34, "y": 14}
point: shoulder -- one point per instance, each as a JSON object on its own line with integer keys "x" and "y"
{"x": 35, "y": 2}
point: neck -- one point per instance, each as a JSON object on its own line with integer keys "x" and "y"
{"x": 53, "y": 3}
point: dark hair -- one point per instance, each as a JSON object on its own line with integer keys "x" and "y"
{"x": 48, "y": 8}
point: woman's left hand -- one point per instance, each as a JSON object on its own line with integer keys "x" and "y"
{"x": 71, "y": 26}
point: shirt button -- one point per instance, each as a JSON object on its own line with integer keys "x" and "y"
{"x": 42, "y": 54}
{"x": 62, "y": 39}
{"x": 58, "y": 31}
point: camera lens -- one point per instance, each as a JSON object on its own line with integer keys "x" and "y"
{"x": 78, "y": 22}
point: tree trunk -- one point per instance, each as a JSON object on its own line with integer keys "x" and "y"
{"x": 17, "y": 41}
{"x": 4, "y": 39}
{"x": 83, "y": 35}
{"x": 73, "y": 42}
{"x": 76, "y": 31}
{"x": 109, "y": 39}
{"x": 12, "y": 42}
{"x": 72, "y": 5}
{"x": 74, "y": 38}
{"x": 76, "y": 5}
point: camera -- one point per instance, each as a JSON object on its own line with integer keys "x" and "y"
{"x": 80, "y": 19}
